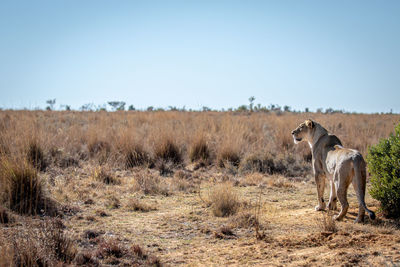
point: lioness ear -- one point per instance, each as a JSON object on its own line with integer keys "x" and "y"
{"x": 310, "y": 124}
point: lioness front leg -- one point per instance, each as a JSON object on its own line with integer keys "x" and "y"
{"x": 320, "y": 182}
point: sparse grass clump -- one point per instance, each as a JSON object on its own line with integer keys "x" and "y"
{"x": 135, "y": 204}
{"x": 136, "y": 156}
{"x": 199, "y": 151}
{"x": 86, "y": 258}
{"x": 168, "y": 151}
{"x": 36, "y": 156}
{"x": 327, "y": 223}
{"x": 150, "y": 184}
{"x": 245, "y": 220}
{"x": 102, "y": 174}
{"x": 112, "y": 202}
{"x": 45, "y": 244}
{"x": 21, "y": 188}
{"x": 110, "y": 247}
{"x": 224, "y": 200}
{"x": 228, "y": 156}
{"x": 99, "y": 149}
{"x": 258, "y": 163}
{"x": 4, "y": 216}
{"x": 279, "y": 181}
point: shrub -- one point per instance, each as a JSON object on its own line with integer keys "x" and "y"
{"x": 384, "y": 165}
{"x": 21, "y": 187}
{"x": 224, "y": 200}
{"x": 199, "y": 151}
{"x": 168, "y": 150}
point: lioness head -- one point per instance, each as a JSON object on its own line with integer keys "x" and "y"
{"x": 303, "y": 131}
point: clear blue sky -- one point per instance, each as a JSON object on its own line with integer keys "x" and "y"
{"x": 201, "y": 53}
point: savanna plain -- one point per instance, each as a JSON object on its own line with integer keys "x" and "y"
{"x": 168, "y": 188}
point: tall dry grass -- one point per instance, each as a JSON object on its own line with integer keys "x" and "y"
{"x": 131, "y": 139}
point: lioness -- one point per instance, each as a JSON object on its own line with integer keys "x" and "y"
{"x": 340, "y": 165}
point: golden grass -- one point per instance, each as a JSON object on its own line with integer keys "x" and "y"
{"x": 260, "y": 198}
{"x": 178, "y": 136}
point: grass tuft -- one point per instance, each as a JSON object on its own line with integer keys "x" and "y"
{"x": 199, "y": 151}
{"x": 150, "y": 184}
{"x": 224, "y": 200}
{"x": 327, "y": 224}
{"x": 228, "y": 156}
{"x": 168, "y": 151}
{"x": 136, "y": 205}
{"x": 136, "y": 156}
{"x": 4, "y": 216}
{"x": 36, "y": 156}
{"x": 21, "y": 188}
{"x": 102, "y": 174}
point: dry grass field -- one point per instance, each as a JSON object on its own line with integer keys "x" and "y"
{"x": 179, "y": 188}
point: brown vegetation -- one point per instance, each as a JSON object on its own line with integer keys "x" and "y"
{"x": 141, "y": 188}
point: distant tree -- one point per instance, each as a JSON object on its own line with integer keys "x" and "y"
{"x": 66, "y": 107}
{"x": 50, "y": 103}
{"x": 251, "y": 100}
{"x": 286, "y": 108}
{"x": 206, "y": 108}
{"x": 131, "y": 107}
{"x": 87, "y": 107}
{"x": 101, "y": 107}
{"x": 274, "y": 107}
{"x": 117, "y": 105}
{"x": 307, "y": 110}
{"x": 150, "y": 108}
{"x": 329, "y": 111}
{"x": 242, "y": 108}
{"x": 172, "y": 108}
{"x": 319, "y": 110}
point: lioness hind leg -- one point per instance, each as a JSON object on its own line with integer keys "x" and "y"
{"x": 332, "y": 205}
{"x": 360, "y": 195}
{"x": 342, "y": 196}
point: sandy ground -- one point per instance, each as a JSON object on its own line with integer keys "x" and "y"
{"x": 182, "y": 229}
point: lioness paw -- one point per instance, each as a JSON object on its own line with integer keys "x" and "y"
{"x": 332, "y": 206}
{"x": 320, "y": 207}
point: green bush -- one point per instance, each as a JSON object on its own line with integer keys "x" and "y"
{"x": 384, "y": 165}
